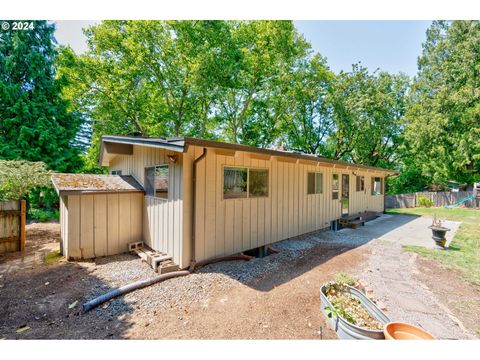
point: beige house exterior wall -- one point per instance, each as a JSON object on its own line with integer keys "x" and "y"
{"x": 227, "y": 226}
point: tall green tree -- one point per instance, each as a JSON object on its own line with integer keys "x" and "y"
{"x": 307, "y": 117}
{"x": 35, "y": 122}
{"x": 444, "y": 118}
{"x": 211, "y": 79}
{"x": 368, "y": 113}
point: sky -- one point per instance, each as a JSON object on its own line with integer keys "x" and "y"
{"x": 393, "y": 46}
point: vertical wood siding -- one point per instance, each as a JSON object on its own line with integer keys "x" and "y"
{"x": 227, "y": 226}
{"x": 162, "y": 218}
{"x": 100, "y": 224}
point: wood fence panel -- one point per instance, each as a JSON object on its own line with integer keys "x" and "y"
{"x": 12, "y": 226}
{"x": 439, "y": 199}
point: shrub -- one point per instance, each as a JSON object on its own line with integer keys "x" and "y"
{"x": 43, "y": 215}
{"x": 18, "y": 178}
{"x": 424, "y": 201}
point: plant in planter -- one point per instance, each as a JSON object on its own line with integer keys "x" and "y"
{"x": 438, "y": 232}
{"x": 351, "y": 314}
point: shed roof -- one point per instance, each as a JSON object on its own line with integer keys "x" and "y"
{"x": 92, "y": 183}
{"x": 180, "y": 144}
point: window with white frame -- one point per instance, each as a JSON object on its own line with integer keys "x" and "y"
{"x": 314, "y": 183}
{"x": 116, "y": 172}
{"x": 156, "y": 181}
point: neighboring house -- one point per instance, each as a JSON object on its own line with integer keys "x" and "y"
{"x": 204, "y": 199}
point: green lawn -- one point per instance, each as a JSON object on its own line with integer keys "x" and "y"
{"x": 464, "y": 251}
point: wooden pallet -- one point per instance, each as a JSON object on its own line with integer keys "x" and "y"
{"x": 160, "y": 262}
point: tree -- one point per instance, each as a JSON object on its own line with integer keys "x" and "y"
{"x": 210, "y": 79}
{"x": 307, "y": 116}
{"x": 368, "y": 114}
{"x": 252, "y": 104}
{"x": 35, "y": 122}
{"x": 443, "y": 125}
{"x": 18, "y": 178}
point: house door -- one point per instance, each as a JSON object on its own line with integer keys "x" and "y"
{"x": 345, "y": 193}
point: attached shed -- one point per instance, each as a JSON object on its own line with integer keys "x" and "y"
{"x": 99, "y": 214}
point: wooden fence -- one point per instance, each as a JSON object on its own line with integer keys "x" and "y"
{"x": 438, "y": 198}
{"x": 12, "y": 226}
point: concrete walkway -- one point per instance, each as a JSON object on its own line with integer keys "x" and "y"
{"x": 391, "y": 273}
{"x": 412, "y": 230}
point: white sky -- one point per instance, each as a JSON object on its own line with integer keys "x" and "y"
{"x": 69, "y": 32}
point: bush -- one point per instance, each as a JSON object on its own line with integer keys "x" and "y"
{"x": 424, "y": 201}
{"x": 18, "y": 178}
{"x": 43, "y": 215}
{"x": 43, "y": 198}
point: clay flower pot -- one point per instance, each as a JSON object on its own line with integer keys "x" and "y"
{"x": 403, "y": 331}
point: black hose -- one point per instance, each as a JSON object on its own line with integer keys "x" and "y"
{"x": 130, "y": 287}
{"x": 144, "y": 283}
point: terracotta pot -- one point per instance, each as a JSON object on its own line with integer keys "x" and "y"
{"x": 402, "y": 331}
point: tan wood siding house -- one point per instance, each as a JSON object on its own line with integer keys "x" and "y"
{"x": 204, "y": 199}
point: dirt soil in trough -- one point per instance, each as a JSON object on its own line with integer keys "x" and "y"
{"x": 276, "y": 297}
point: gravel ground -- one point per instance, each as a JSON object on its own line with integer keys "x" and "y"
{"x": 116, "y": 271}
{"x": 271, "y": 297}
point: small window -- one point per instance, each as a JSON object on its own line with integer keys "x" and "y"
{"x": 377, "y": 188}
{"x": 318, "y": 183}
{"x": 360, "y": 183}
{"x": 257, "y": 182}
{"x": 314, "y": 183}
{"x": 335, "y": 187}
{"x": 161, "y": 181}
{"x": 234, "y": 183}
{"x": 156, "y": 181}
{"x": 116, "y": 172}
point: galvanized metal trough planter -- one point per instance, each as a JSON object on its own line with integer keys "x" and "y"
{"x": 346, "y": 330}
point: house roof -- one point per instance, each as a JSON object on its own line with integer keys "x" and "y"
{"x": 92, "y": 183}
{"x": 181, "y": 144}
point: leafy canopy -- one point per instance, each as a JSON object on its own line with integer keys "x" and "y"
{"x": 35, "y": 121}
{"x": 18, "y": 178}
{"x": 443, "y": 121}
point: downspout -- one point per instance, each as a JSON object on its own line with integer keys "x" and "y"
{"x": 194, "y": 201}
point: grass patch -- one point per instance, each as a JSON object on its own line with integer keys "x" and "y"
{"x": 464, "y": 251}
{"x": 52, "y": 258}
